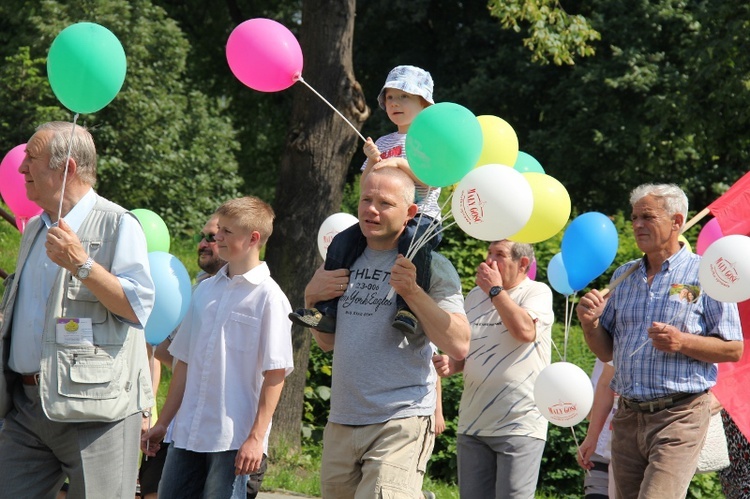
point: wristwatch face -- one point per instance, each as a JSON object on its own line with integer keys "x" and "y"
{"x": 495, "y": 290}
{"x": 85, "y": 269}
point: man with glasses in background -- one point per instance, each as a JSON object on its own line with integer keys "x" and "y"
{"x": 209, "y": 263}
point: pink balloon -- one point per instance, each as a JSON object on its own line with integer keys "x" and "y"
{"x": 13, "y": 184}
{"x": 532, "y": 270}
{"x": 264, "y": 55}
{"x": 708, "y": 234}
{"x": 21, "y": 223}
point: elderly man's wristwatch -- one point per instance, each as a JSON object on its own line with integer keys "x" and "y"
{"x": 85, "y": 269}
{"x": 494, "y": 291}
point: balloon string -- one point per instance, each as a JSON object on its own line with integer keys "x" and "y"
{"x": 568, "y": 322}
{"x": 331, "y": 106}
{"x": 430, "y": 232}
{"x": 557, "y": 350}
{"x": 65, "y": 172}
{"x": 150, "y": 366}
{"x": 578, "y": 447}
{"x": 431, "y": 229}
{"x": 419, "y": 221}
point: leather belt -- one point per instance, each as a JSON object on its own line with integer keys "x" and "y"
{"x": 660, "y": 403}
{"x": 30, "y": 379}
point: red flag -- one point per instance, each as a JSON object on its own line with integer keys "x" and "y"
{"x": 732, "y": 209}
{"x": 734, "y": 378}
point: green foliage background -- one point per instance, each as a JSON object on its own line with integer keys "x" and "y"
{"x": 661, "y": 96}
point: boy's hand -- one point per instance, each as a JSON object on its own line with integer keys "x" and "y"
{"x": 151, "y": 440}
{"x": 442, "y": 365}
{"x": 371, "y": 150}
{"x": 249, "y": 457}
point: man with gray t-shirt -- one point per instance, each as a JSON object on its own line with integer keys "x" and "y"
{"x": 380, "y": 431}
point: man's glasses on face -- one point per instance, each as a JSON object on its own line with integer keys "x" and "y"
{"x": 210, "y": 238}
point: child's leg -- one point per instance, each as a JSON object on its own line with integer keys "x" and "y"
{"x": 343, "y": 251}
{"x": 345, "y": 248}
{"x": 405, "y": 320}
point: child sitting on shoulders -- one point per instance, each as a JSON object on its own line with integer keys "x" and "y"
{"x": 407, "y": 91}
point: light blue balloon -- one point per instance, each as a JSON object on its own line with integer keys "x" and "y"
{"x": 558, "y": 276}
{"x": 527, "y": 163}
{"x": 589, "y": 247}
{"x": 173, "y": 292}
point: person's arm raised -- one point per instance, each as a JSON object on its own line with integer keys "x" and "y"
{"x": 65, "y": 249}
{"x": 589, "y": 309}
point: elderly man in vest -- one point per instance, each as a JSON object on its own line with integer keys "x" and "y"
{"x": 75, "y": 372}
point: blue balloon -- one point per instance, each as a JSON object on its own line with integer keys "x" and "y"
{"x": 173, "y": 292}
{"x": 589, "y": 247}
{"x": 558, "y": 276}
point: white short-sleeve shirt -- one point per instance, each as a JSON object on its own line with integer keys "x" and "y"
{"x": 236, "y": 329}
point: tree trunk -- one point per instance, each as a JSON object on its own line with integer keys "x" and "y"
{"x": 312, "y": 173}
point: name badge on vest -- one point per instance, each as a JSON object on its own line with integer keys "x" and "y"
{"x": 74, "y": 331}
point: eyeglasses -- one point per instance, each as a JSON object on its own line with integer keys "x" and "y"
{"x": 210, "y": 238}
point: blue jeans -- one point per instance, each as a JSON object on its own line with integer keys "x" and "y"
{"x": 189, "y": 474}
{"x": 349, "y": 244}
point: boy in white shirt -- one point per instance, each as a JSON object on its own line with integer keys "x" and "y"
{"x": 233, "y": 352}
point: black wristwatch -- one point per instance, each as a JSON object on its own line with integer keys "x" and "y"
{"x": 494, "y": 291}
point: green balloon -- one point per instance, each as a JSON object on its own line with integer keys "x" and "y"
{"x": 443, "y": 144}
{"x": 86, "y": 67}
{"x": 157, "y": 233}
{"x": 526, "y": 163}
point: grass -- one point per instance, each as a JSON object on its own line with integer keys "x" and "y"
{"x": 10, "y": 240}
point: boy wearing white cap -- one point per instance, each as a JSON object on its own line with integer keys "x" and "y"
{"x": 407, "y": 91}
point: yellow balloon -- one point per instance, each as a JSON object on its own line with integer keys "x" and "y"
{"x": 551, "y": 209}
{"x": 685, "y": 241}
{"x": 500, "y": 143}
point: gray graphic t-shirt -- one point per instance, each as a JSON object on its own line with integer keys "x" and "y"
{"x": 378, "y": 372}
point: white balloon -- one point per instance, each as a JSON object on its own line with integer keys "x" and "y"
{"x": 492, "y": 202}
{"x": 563, "y": 393}
{"x": 338, "y": 222}
{"x": 724, "y": 271}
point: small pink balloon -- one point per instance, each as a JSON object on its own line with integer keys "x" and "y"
{"x": 532, "y": 270}
{"x": 13, "y": 184}
{"x": 264, "y": 55}
{"x": 708, "y": 234}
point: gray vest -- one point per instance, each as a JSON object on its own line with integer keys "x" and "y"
{"x": 78, "y": 383}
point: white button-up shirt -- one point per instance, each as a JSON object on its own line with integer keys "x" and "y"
{"x": 236, "y": 329}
